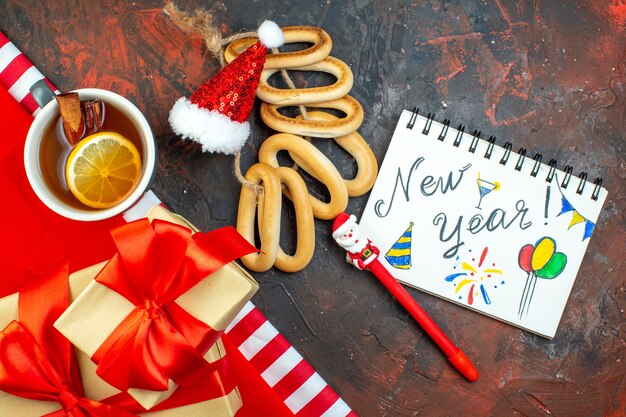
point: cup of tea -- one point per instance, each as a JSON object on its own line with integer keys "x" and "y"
{"x": 47, "y": 153}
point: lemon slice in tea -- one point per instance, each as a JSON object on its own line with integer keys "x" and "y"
{"x": 103, "y": 169}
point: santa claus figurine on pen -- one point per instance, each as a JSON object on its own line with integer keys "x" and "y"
{"x": 359, "y": 251}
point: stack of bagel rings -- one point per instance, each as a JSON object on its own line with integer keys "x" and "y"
{"x": 277, "y": 180}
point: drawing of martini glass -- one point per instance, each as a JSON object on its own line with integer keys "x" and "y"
{"x": 484, "y": 188}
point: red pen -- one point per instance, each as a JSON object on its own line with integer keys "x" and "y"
{"x": 364, "y": 255}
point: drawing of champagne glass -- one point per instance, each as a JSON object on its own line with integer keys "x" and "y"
{"x": 539, "y": 261}
{"x": 485, "y": 187}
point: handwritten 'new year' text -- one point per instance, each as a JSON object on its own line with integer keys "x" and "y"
{"x": 477, "y": 223}
{"x": 428, "y": 187}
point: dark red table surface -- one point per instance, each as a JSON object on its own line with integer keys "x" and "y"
{"x": 546, "y": 75}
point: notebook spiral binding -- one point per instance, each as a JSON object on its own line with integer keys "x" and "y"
{"x": 508, "y": 147}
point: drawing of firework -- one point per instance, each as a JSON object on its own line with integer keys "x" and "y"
{"x": 475, "y": 279}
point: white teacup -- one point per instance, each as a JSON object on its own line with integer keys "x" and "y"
{"x": 49, "y": 114}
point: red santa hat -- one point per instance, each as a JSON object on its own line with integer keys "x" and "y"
{"x": 216, "y": 114}
{"x": 343, "y": 222}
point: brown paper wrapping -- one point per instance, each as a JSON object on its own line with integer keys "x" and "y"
{"x": 227, "y": 292}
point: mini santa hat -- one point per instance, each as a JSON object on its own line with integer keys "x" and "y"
{"x": 343, "y": 222}
{"x": 216, "y": 114}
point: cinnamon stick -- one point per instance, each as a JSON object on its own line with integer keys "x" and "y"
{"x": 80, "y": 118}
{"x": 93, "y": 112}
{"x": 72, "y": 116}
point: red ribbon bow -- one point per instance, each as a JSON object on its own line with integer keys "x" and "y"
{"x": 154, "y": 265}
{"x": 36, "y": 361}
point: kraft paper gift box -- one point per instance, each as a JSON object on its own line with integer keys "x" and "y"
{"x": 98, "y": 310}
{"x": 97, "y": 389}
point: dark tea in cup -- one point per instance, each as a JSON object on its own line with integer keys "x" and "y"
{"x": 55, "y": 149}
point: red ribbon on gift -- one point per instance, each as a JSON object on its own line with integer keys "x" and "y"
{"x": 36, "y": 361}
{"x": 155, "y": 264}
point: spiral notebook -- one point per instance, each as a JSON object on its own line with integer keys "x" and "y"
{"x": 497, "y": 231}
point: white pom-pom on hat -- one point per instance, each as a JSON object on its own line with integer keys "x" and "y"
{"x": 270, "y": 34}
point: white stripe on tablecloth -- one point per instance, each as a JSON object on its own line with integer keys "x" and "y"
{"x": 305, "y": 393}
{"x": 7, "y": 54}
{"x": 282, "y": 366}
{"x": 20, "y": 89}
{"x": 141, "y": 208}
{"x": 258, "y": 340}
{"x": 339, "y": 409}
{"x": 243, "y": 313}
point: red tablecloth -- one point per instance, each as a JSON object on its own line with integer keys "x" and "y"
{"x": 274, "y": 379}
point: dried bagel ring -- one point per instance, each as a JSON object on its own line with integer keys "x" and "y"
{"x": 269, "y": 205}
{"x": 322, "y": 44}
{"x": 320, "y": 167}
{"x": 316, "y": 128}
{"x": 355, "y": 145}
{"x": 305, "y": 227}
{"x": 291, "y": 97}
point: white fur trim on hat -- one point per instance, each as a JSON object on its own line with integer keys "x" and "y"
{"x": 270, "y": 34}
{"x": 347, "y": 225}
{"x": 216, "y": 132}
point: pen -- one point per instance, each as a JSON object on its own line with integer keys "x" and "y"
{"x": 364, "y": 255}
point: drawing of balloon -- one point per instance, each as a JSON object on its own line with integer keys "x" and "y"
{"x": 539, "y": 261}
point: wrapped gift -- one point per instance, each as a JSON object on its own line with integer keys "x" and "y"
{"x": 174, "y": 290}
{"x": 49, "y": 348}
